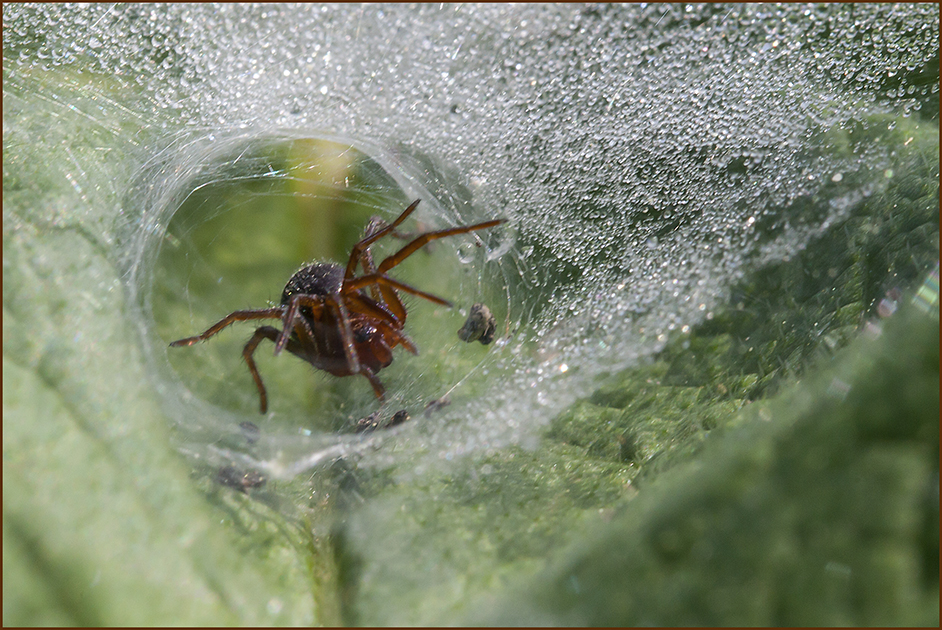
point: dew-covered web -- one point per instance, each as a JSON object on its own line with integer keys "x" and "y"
{"x": 646, "y": 158}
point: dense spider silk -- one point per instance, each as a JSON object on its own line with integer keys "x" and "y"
{"x": 647, "y": 156}
{"x": 236, "y": 239}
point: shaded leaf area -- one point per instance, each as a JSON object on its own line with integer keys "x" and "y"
{"x": 444, "y": 536}
{"x": 821, "y": 509}
{"x": 727, "y": 481}
{"x": 818, "y": 506}
{"x": 103, "y": 524}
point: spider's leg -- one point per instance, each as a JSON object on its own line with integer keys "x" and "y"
{"x": 290, "y": 319}
{"x": 387, "y": 321}
{"x": 271, "y": 333}
{"x": 389, "y": 296}
{"x": 346, "y": 333}
{"x": 384, "y": 280}
{"x": 366, "y": 257}
{"x": 378, "y": 388}
{"x": 265, "y": 332}
{"x": 357, "y": 250}
{"x": 317, "y": 303}
{"x": 403, "y": 340}
{"x": 237, "y": 316}
{"x": 365, "y": 306}
{"x": 383, "y": 320}
{"x": 337, "y": 304}
{"x": 420, "y": 241}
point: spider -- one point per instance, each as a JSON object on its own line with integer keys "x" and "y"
{"x": 327, "y": 318}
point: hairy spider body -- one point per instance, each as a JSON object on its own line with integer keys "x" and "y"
{"x": 325, "y": 348}
{"x": 329, "y": 320}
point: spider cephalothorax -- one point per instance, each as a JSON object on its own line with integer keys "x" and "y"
{"x": 330, "y": 321}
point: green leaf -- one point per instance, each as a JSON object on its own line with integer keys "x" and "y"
{"x": 103, "y": 522}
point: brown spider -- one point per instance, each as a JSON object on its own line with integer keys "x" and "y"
{"x": 328, "y": 320}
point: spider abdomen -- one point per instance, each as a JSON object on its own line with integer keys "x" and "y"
{"x": 314, "y": 279}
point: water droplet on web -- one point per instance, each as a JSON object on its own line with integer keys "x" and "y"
{"x": 466, "y": 253}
